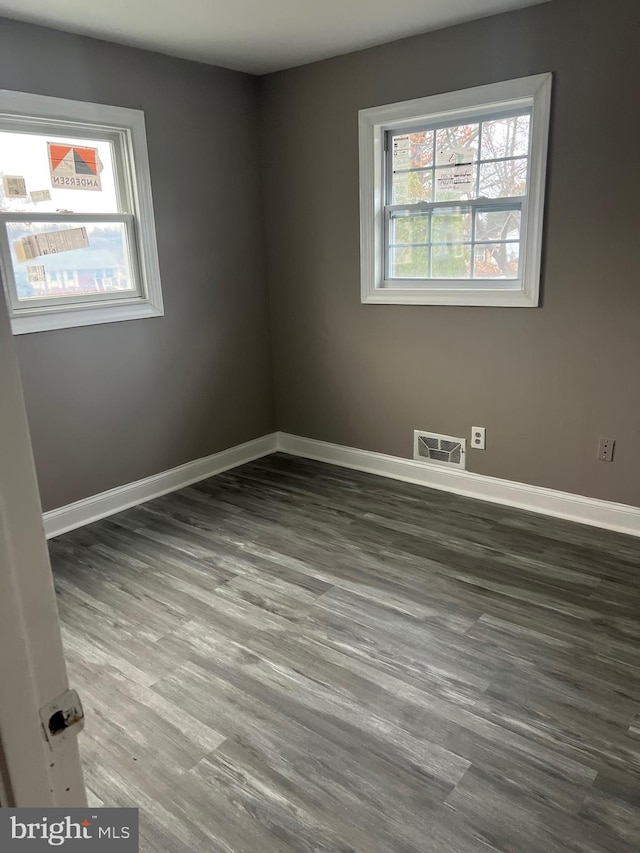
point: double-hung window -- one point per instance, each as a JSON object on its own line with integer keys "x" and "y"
{"x": 77, "y": 233}
{"x": 452, "y": 196}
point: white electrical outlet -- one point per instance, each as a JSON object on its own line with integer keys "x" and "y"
{"x": 478, "y": 437}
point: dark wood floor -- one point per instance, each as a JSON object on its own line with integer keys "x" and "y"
{"x": 295, "y": 657}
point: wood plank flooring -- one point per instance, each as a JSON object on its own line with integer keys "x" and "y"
{"x": 295, "y": 657}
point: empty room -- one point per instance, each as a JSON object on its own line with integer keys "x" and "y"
{"x": 320, "y": 426}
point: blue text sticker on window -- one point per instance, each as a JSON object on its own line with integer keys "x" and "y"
{"x": 87, "y": 829}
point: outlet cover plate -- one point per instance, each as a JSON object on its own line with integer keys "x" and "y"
{"x": 478, "y": 438}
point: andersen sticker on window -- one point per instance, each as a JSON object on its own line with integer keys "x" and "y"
{"x": 37, "y": 830}
{"x": 74, "y": 168}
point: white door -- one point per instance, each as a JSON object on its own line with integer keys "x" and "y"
{"x": 32, "y": 667}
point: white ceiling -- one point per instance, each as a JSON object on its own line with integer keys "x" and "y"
{"x": 253, "y": 35}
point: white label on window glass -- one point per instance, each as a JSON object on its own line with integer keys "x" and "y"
{"x": 460, "y": 175}
{"x": 73, "y": 167}
{"x": 36, "y": 274}
{"x": 14, "y": 186}
{"x": 40, "y": 195}
{"x": 401, "y": 152}
{"x": 51, "y": 243}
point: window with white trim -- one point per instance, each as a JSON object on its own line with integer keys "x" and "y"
{"x": 77, "y": 233}
{"x": 452, "y": 196}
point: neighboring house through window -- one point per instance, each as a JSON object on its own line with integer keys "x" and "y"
{"x": 77, "y": 233}
{"x": 452, "y": 196}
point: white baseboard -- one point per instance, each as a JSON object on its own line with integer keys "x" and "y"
{"x": 613, "y": 516}
{"x": 83, "y": 512}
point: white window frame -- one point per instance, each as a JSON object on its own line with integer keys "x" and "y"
{"x": 125, "y": 128}
{"x": 374, "y": 123}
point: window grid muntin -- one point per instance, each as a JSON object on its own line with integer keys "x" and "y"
{"x": 479, "y": 117}
{"x": 474, "y": 207}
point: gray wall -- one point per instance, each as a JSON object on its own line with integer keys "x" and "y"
{"x": 545, "y": 382}
{"x": 113, "y": 403}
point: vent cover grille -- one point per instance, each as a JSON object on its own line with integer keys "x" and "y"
{"x": 438, "y": 449}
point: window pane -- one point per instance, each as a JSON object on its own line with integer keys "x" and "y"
{"x": 451, "y": 261}
{"x": 410, "y": 229}
{"x": 457, "y": 183}
{"x": 497, "y": 260}
{"x": 456, "y": 159}
{"x": 411, "y": 187}
{"x": 409, "y": 262}
{"x": 100, "y": 266}
{"x": 85, "y": 165}
{"x": 451, "y": 226}
{"x": 505, "y": 137}
{"x": 504, "y": 179}
{"x": 412, "y": 150}
{"x": 498, "y": 225}
{"x": 460, "y": 136}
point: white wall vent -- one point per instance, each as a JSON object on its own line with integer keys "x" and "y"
{"x": 435, "y": 449}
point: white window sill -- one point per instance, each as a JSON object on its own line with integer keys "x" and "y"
{"x": 39, "y": 320}
{"x": 514, "y": 298}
